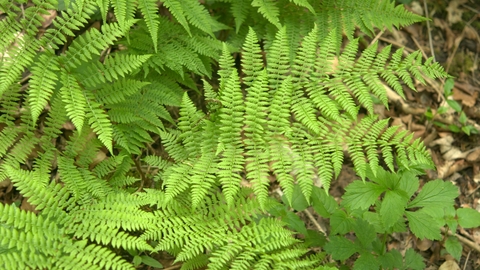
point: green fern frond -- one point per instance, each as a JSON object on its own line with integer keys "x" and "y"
{"x": 269, "y": 10}
{"x": 303, "y": 165}
{"x": 198, "y": 16}
{"x": 174, "y": 182}
{"x": 305, "y": 113}
{"x": 99, "y": 122}
{"x": 93, "y": 42}
{"x": 231, "y": 118}
{"x": 71, "y": 20}
{"x": 226, "y": 64}
{"x": 279, "y": 129}
{"x": 8, "y": 137}
{"x": 240, "y": 10}
{"x": 252, "y": 62}
{"x": 43, "y": 82}
{"x": 20, "y": 56}
{"x": 113, "y": 68}
{"x": 305, "y": 60}
{"x": 118, "y": 91}
{"x": 203, "y": 177}
{"x": 256, "y": 150}
{"x": 304, "y": 3}
{"x": 72, "y": 178}
{"x": 190, "y": 122}
{"x": 278, "y": 60}
{"x": 176, "y": 8}
{"x": 149, "y": 12}
{"x": 74, "y": 99}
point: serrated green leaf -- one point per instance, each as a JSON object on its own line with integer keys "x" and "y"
{"x": 429, "y": 114}
{"x": 361, "y": 194}
{"x": 151, "y": 262}
{"x": 466, "y": 130}
{"x": 444, "y": 215}
{"x": 413, "y": 260}
{"x": 340, "y": 248}
{"x": 294, "y": 222}
{"x": 391, "y": 260}
{"x": 409, "y": 183}
{"x": 463, "y": 118}
{"x": 279, "y": 210}
{"x": 454, "y": 128}
{"x": 454, "y": 247}
{"x": 137, "y": 260}
{"x": 454, "y": 105}
{"x": 324, "y": 204}
{"x": 374, "y": 219}
{"x": 436, "y": 193}
{"x": 366, "y": 261}
{"x": 448, "y": 86}
{"x": 299, "y": 202}
{"x": 393, "y": 206}
{"x": 423, "y": 225}
{"x": 315, "y": 238}
{"x": 341, "y": 223}
{"x": 365, "y": 232}
{"x": 468, "y": 218}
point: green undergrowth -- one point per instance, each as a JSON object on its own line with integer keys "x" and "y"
{"x": 166, "y": 127}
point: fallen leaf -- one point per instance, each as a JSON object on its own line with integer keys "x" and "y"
{"x": 449, "y": 265}
{"x": 466, "y": 99}
{"x": 449, "y": 35}
{"x": 474, "y": 155}
{"x": 454, "y": 12}
{"x": 424, "y": 244}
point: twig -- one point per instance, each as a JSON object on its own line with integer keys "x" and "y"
{"x": 466, "y": 260}
{"x": 176, "y": 266}
{"x": 142, "y": 176}
{"x": 419, "y": 47}
{"x": 472, "y": 9}
{"x": 378, "y": 36}
{"x": 428, "y": 29}
{"x": 312, "y": 219}
{"x": 463, "y": 240}
{"x": 397, "y": 44}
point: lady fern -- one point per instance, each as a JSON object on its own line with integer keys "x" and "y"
{"x": 135, "y": 175}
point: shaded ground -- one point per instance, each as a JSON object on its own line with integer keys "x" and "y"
{"x": 450, "y": 135}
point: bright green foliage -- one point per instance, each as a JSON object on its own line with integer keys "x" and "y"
{"x": 322, "y": 155}
{"x": 147, "y": 166}
{"x": 424, "y": 216}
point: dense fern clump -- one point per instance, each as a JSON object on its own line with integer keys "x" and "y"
{"x": 132, "y": 176}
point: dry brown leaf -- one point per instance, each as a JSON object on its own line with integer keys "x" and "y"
{"x": 48, "y": 18}
{"x": 466, "y": 99}
{"x": 416, "y": 8}
{"x": 449, "y": 265}
{"x": 454, "y": 12}
{"x": 474, "y": 155}
{"x": 424, "y": 244}
{"x": 27, "y": 206}
{"x": 449, "y": 35}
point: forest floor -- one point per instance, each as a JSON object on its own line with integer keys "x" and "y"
{"x": 447, "y": 121}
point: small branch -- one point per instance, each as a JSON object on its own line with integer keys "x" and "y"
{"x": 314, "y": 221}
{"x": 142, "y": 176}
{"x": 378, "y": 36}
{"x": 429, "y": 30}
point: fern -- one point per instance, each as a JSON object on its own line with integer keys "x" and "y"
{"x": 135, "y": 175}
